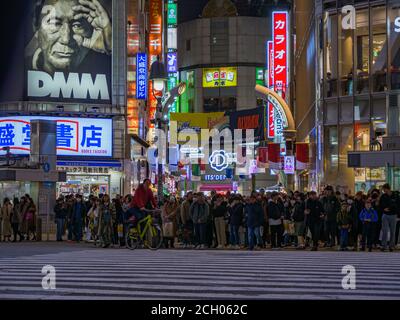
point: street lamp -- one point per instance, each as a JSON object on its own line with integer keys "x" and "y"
{"x": 158, "y": 76}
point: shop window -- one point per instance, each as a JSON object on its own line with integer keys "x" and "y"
{"x": 361, "y": 108}
{"x": 378, "y": 47}
{"x": 346, "y": 111}
{"x": 379, "y": 108}
{"x": 362, "y": 52}
{"x": 394, "y": 43}
{"x": 330, "y": 55}
{"x": 331, "y": 112}
{"x": 346, "y": 175}
{"x": 220, "y": 104}
{"x": 346, "y": 60}
{"x": 367, "y": 179}
{"x": 361, "y": 136}
{"x": 331, "y": 150}
{"x": 378, "y": 118}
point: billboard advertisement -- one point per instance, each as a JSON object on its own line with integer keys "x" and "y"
{"x": 75, "y": 136}
{"x": 249, "y": 119}
{"x": 68, "y": 51}
{"x": 198, "y": 121}
{"x": 220, "y": 77}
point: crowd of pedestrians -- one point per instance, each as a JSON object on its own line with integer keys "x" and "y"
{"x": 18, "y": 219}
{"x": 261, "y": 220}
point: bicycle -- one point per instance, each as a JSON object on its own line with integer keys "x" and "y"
{"x": 150, "y": 235}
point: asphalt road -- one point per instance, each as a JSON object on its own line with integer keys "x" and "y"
{"x": 84, "y": 272}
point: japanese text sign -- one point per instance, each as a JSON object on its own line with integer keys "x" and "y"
{"x": 75, "y": 136}
{"x": 141, "y": 76}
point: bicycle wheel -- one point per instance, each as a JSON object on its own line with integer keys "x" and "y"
{"x": 153, "y": 237}
{"x": 132, "y": 238}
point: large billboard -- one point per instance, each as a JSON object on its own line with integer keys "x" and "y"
{"x": 68, "y": 51}
{"x": 75, "y": 136}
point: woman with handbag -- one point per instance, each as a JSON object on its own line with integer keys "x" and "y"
{"x": 169, "y": 212}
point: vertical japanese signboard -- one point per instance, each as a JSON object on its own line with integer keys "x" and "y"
{"x": 141, "y": 76}
{"x": 155, "y": 48}
{"x": 172, "y": 62}
{"x": 270, "y": 108}
{"x": 172, "y": 18}
{"x": 280, "y": 40}
{"x": 133, "y": 45}
{"x": 172, "y": 57}
{"x": 74, "y": 136}
{"x": 277, "y": 59}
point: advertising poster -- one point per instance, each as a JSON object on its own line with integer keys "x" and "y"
{"x": 220, "y": 77}
{"x": 68, "y": 51}
{"x": 249, "y": 119}
{"x": 198, "y": 121}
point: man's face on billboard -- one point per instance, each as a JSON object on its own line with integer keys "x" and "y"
{"x": 58, "y": 33}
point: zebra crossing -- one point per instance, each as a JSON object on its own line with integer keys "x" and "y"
{"x": 209, "y": 274}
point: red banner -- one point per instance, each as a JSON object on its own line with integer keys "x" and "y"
{"x": 274, "y": 156}
{"x": 302, "y": 156}
{"x": 262, "y": 157}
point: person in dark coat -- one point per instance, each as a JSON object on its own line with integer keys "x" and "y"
{"x": 275, "y": 214}
{"x": 298, "y": 217}
{"x": 61, "y": 213}
{"x": 255, "y": 219}
{"x": 331, "y": 207}
{"x": 315, "y": 217}
{"x": 78, "y": 217}
{"x": 235, "y": 220}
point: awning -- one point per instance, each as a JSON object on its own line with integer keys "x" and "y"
{"x": 216, "y": 187}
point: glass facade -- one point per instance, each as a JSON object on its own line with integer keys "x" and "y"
{"x": 361, "y": 69}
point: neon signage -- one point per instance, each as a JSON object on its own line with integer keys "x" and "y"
{"x": 141, "y": 76}
{"x": 74, "y": 136}
{"x": 277, "y": 61}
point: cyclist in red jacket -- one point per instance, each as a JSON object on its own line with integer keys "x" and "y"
{"x": 142, "y": 199}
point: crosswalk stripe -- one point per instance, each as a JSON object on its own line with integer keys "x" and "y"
{"x": 181, "y": 274}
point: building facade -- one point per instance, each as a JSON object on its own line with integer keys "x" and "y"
{"x": 221, "y": 39}
{"x": 357, "y": 60}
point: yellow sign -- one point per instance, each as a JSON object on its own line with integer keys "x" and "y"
{"x": 187, "y": 122}
{"x": 220, "y": 77}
